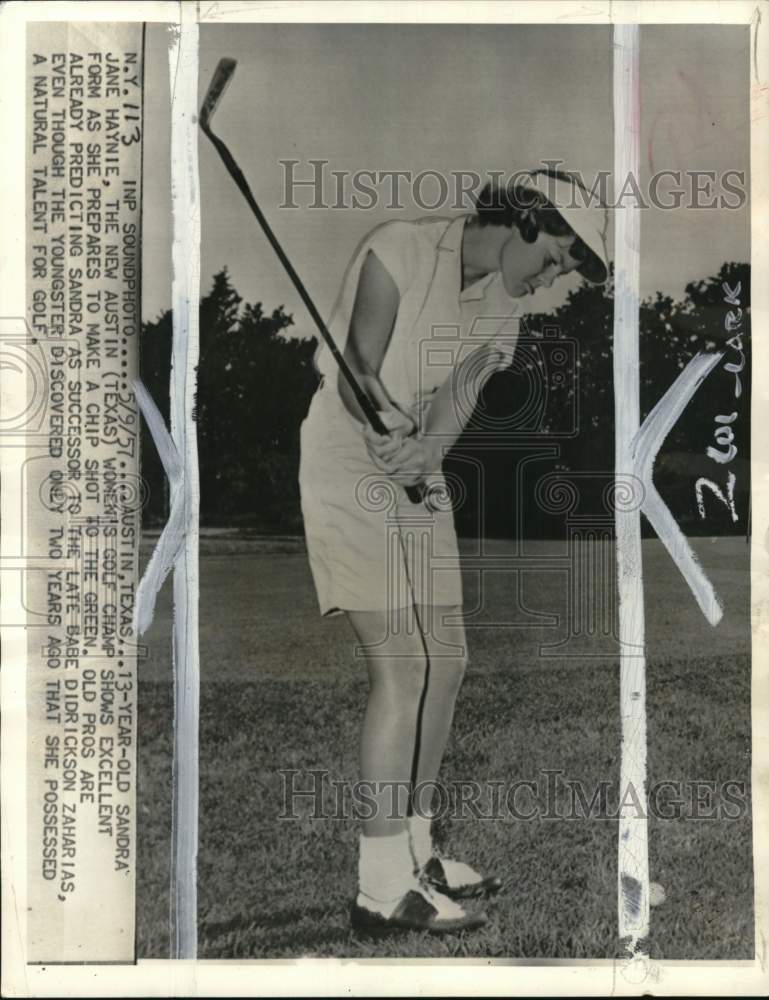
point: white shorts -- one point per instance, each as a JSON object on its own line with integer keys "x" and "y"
{"x": 370, "y": 548}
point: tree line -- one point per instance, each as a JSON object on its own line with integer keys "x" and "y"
{"x": 546, "y": 422}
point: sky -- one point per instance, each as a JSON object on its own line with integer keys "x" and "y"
{"x": 445, "y": 98}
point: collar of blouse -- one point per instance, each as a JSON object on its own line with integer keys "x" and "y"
{"x": 451, "y": 245}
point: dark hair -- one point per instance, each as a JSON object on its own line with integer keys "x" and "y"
{"x": 531, "y": 212}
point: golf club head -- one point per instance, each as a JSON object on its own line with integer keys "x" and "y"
{"x": 220, "y": 79}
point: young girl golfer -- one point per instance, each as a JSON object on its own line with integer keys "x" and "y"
{"x": 408, "y": 282}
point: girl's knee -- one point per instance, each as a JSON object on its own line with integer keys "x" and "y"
{"x": 452, "y": 672}
{"x": 398, "y": 669}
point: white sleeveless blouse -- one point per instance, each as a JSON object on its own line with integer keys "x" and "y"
{"x": 369, "y": 548}
{"x": 437, "y": 324}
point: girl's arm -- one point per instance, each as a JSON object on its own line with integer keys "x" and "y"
{"x": 371, "y": 325}
{"x": 454, "y": 402}
{"x": 413, "y": 457}
{"x": 421, "y": 456}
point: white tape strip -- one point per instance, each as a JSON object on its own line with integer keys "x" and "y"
{"x": 633, "y": 859}
{"x": 185, "y": 289}
{"x": 170, "y": 541}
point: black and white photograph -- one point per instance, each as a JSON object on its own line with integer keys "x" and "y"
{"x": 394, "y": 513}
{"x": 411, "y": 727}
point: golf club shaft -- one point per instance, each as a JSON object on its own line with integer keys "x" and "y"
{"x": 415, "y": 493}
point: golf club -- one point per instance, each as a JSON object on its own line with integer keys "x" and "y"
{"x": 220, "y": 80}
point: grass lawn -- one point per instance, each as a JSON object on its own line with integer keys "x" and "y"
{"x": 282, "y": 689}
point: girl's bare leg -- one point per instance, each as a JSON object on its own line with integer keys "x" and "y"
{"x": 396, "y": 665}
{"x": 447, "y": 655}
{"x": 399, "y": 685}
{"x": 446, "y": 649}
{"x": 405, "y": 729}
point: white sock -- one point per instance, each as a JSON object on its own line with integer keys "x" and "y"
{"x": 385, "y": 872}
{"x": 421, "y": 839}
